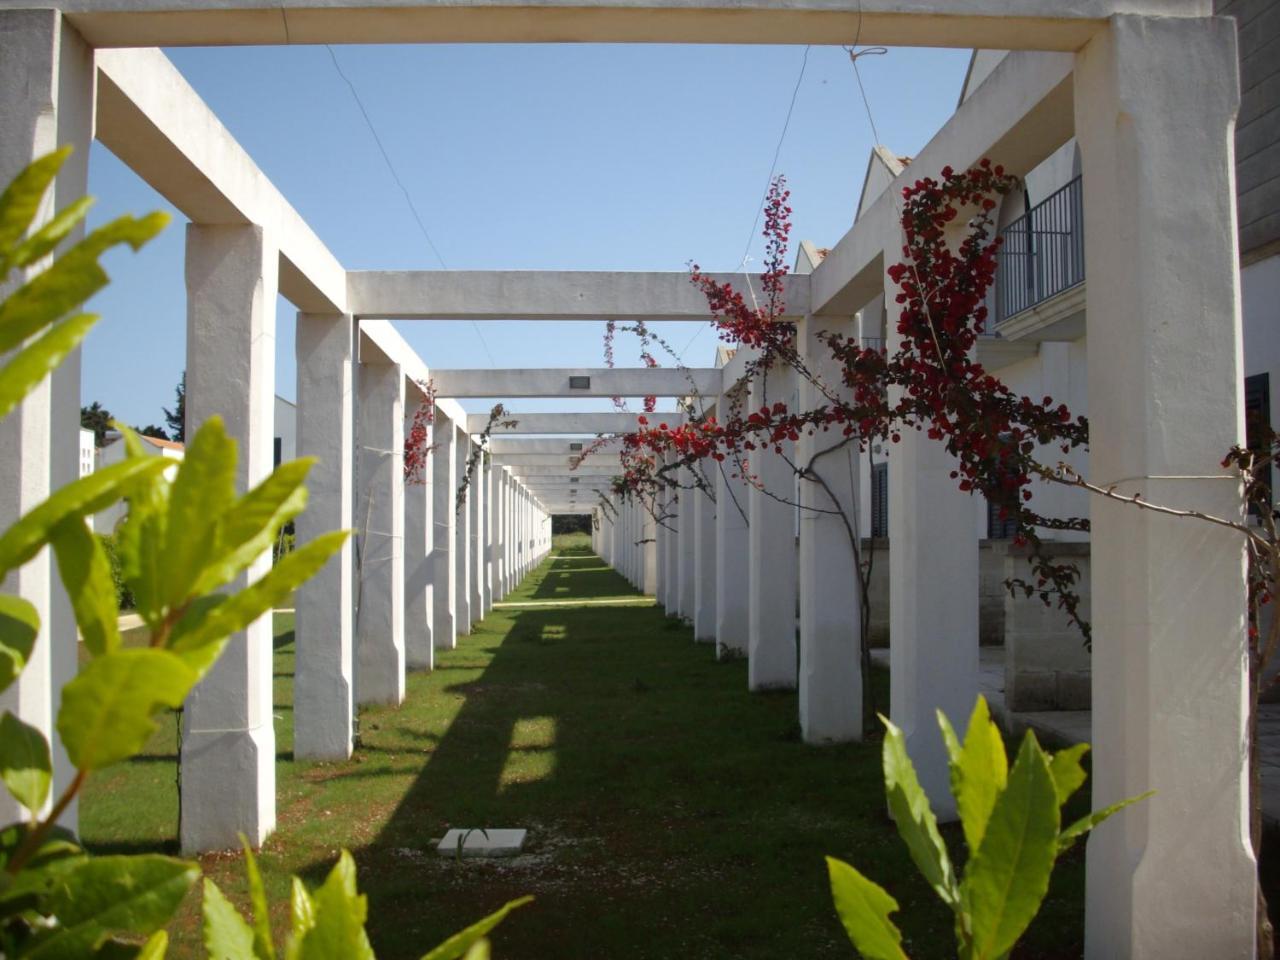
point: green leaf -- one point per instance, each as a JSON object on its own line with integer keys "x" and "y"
{"x": 82, "y": 497}
{"x": 19, "y": 627}
{"x": 53, "y": 232}
{"x": 86, "y": 573}
{"x": 864, "y": 908}
{"x": 479, "y": 951}
{"x": 457, "y": 945}
{"x": 202, "y": 491}
{"x": 115, "y": 894}
{"x": 108, "y": 710}
{"x": 1082, "y": 826}
{"x": 238, "y": 611}
{"x": 302, "y": 913}
{"x": 25, "y": 765}
{"x": 248, "y": 528}
{"x": 58, "y": 853}
{"x": 155, "y": 947}
{"x": 338, "y": 932}
{"x": 263, "y": 945}
{"x": 140, "y": 538}
{"x": 1068, "y": 772}
{"x": 21, "y": 200}
{"x": 70, "y": 280}
{"x": 918, "y": 827}
{"x": 979, "y": 770}
{"x": 1008, "y": 876}
{"x": 226, "y": 934}
{"x": 24, "y": 372}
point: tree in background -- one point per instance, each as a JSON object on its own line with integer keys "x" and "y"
{"x": 151, "y": 430}
{"x": 177, "y": 417}
{"x": 97, "y": 418}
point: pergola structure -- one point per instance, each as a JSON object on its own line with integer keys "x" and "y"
{"x": 1148, "y": 89}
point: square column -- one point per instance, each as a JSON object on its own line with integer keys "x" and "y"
{"x": 830, "y": 677}
{"x": 1155, "y": 108}
{"x": 444, "y": 518}
{"x": 686, "y": 527}
{"x": 46, "y": 101}
{"x": 228, "y": 739}
{"x": 662, "y": 533}
{"x": 380, "y": 657}
{"x": 933, "y": 597}
{"x": 323, "y": 695}
{"x": 648, "y": 573}
{"x": 479, "y": 552}
{"x": 773, "y": 557}
{"x": 490, "y": 537}
{"x": 704, "y": 578}
{"x": 419, "y": 559}
{"x": 462, "y": 537}
{"x": 732, "y": 546}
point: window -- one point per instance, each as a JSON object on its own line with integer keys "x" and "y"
{"x": 880, "y": 500}
{"x": 1257, "y": 417}
{"x": 998, "y": 529}
{"x": 279, "y": 450}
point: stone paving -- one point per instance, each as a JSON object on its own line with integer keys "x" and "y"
{"x": 1075, "y": 726}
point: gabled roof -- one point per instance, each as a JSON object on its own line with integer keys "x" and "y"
{"x": 883, "y": 167}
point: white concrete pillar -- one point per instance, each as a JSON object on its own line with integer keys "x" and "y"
{"x": 475, "y": 513}
{"x": 686, "y": 528}
{"x": 830, "y": 674}
{"x": 1156, "y": 101}
{"x": 419, "y": 546}
{"x": 228, "y": 740}
{"x": 444, "y": 519}
{"x": 731, "y": 560}
{"x": 462, "y": 560}
{"x": 323, "y": 681}
{"x": 380, "y": 657}
{"x": 662, "y": 532}
{"x": 933, "y": 597}
{"x": 773, "y": 556}
{"x": 704, "y": 598}
{"x": 46, "y": 101}
{"x": 490, "y": 580}
{"x": 648, "y": 573}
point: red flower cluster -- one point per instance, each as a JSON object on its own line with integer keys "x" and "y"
{"x": 416, "y": 448}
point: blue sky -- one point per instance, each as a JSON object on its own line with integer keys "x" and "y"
{"x": 518, "y": 157}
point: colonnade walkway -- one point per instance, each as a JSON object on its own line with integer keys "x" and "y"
{"x": 670, "y": 812}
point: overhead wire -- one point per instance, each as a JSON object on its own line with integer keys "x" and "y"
{"x": 391, "y": 167}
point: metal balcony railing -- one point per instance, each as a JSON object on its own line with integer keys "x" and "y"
{"x": 1043, "y": 252}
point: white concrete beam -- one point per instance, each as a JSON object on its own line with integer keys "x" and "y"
{"x": 500, "y": 446}
{"x": 637, "y": 382}
{"x": 542, "y": 294}
{"x": 993, "y": 24}
{"x": 151, "y": 118}
{"x": 568, "y": 423}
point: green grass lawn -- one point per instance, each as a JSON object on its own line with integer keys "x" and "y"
{"x": 670, "y": 812}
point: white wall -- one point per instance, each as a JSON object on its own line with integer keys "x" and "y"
{"x": 286, "y": 416}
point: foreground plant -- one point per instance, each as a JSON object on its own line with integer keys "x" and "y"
{"x": 184, "y": 540}
{"x": 1012, "y": 822}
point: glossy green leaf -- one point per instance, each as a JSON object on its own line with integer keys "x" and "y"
{"x": 140, "y": 538}
{"x": 226, "y": 934}
{"x": 864, "y": 909}
{"x": 58, "y": 854}
{"x": 82, "y": 497}
{"x": 918, "y": 827}
{"x": 30, "y": 365}
{"x": 86, "y": 573}
{"x": 457, "y": 945}
{"x": 70, "y": 280}
{"x": 155, "y": 947}
{"x": 241, "y": 609}
{"x": 1082, "y": 826}
{"x": 338, "y": 931}
{"x": 979, "y": 770}
{"x": 202, "y": 491}
{"x": 114, "y": 894}
{"x": 1068, "y": 772}
{"x": 248, "y": 528}
{"x": 1008, "y": 876}
{"x": 19, "y": 627}
{"x": 108, "y": 711}
{"x": 302, "y": 914}
{"x": 21, "y": 200}
{"x": 51, "y": 233}
{"x": 479, "y": 951}
{"x": 263, "y": 946}
{"x": 25, "y": 765}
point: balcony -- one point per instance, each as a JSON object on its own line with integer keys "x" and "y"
{"x": 1043, "y": 253}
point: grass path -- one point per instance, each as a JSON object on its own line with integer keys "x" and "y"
{"x": 670, "y": 813}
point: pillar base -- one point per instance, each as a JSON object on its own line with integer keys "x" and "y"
{"x": 228, "y": 788}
